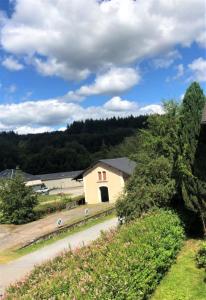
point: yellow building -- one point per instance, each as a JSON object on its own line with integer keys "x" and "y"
{"x": 104, "y": 180}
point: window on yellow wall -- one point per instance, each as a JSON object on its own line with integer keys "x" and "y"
{"x": 99, "y": 176}
{"x": 104, "y": 175}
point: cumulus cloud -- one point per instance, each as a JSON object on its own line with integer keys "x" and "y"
{"x": 47, "y": 115}
{"x": 198, "y": 68}
{"x": 52, "y": 67}
{"x": 74, "y": 38}
{"x": 12, "y": 64}
{"x": 114, "y": 81}
{"x": 117, "y": 104}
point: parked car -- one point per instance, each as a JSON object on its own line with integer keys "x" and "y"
{"x": 42, "y": 190}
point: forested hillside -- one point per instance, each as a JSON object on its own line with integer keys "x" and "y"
{"x": 82, "y": 143}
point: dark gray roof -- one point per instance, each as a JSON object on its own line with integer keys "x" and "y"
{"x": 122, "y": 164}
{"x": 204, "y": 115}
{"x": 60, "y": 175}
{"x": 11, "y": 173}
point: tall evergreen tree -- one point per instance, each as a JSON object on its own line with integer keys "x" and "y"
{"x": 192, "y": 189}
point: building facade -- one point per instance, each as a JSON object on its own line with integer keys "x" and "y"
{"x": 105, "y": 180}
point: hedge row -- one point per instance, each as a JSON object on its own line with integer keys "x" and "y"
{"x": 201, "y": 257}
{"x": 124, "y": 264}
{"x": 50, "y": 207}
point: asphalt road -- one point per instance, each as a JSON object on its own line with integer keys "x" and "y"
{"x": 19, "y": 268}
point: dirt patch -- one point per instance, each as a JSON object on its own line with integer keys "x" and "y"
{"x": 15, "y": 236}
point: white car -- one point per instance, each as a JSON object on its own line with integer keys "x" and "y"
{"x": 42, "y": 190}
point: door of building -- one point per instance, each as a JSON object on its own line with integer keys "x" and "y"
{"x": 104, "y": 192}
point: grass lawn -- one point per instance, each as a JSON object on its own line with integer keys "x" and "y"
{"x": 51, "y": 198}
{"x": 184, "y": 281}
{"x": 11, "y": 255}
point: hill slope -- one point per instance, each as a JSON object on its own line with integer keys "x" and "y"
{"x": 82, "y": 143}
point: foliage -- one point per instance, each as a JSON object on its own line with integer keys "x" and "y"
{"x": 153, "y": 183}
{"x": 127, "y": 148}
{"x": 169, "y": 169}
{"x": 192, "y": 189}
{"x": 127, "y": 264}
{"x": 57, "y": 205}
{"x": 201, "y": 257}
{"x": 16, "y": 201}
{"x": 74, "y": 149}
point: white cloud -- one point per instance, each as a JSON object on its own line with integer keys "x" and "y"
{"x": 151, "y": 109}
{"x": 46, "y": 115}
{"x": 12, "y": 64}
{"x": 114, "y": 81}
{"x": 33, "y": 130}
{"x": 180, "y": 71}
{"x": 117, "y": 104}
{"x": 52, "y": 67}
{"x": 62, "y": 128}
{"x": 166, "y": 60}
{"x": 202, "y": 39}
{"x": 198, "y": 68}
{"x": 74, "y": 38}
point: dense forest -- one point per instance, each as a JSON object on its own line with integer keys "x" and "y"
{"x": 74, "y": 149}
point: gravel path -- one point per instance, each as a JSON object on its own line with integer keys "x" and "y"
{"x": 17, "y": 269}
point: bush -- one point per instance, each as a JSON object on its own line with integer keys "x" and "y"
{"x": 124, "y": 264}
{"x": 201, "y": 257}
{"x": 16, "y": 201}
{"x": 50, "y": 207}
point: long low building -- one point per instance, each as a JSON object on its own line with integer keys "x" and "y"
{"x": 30, "y": 180}
{"x": 61, "y": 180}
{"x": 56, "y": 182}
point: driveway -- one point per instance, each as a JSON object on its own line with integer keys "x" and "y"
{"x": 72, "y": 191}
{"x": 15, "y": 236}
{"x": 18, "y": 269}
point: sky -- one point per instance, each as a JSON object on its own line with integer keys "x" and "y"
{"x": 63, "y": 60}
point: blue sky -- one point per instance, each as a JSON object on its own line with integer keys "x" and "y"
{"x": 69, "y": 60}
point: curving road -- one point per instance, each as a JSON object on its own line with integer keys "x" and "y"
{"x": 17, "y": 269}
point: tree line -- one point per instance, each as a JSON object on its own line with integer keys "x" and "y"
{"x": 80, "y": 144}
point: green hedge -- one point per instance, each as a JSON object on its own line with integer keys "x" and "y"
{"x": 123, "y": 264}
{"x": 201, "y": 257}
{"x": 65, "y": 202}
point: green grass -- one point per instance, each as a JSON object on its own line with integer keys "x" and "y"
{"x": 51, "y": 198}
{"x": 42, "y": 243}
{"x": 184, "y": 281}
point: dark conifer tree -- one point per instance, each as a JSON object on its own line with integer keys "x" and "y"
{"x": 192, "y": 189}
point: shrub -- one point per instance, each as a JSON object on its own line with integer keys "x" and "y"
{"x": 123, "y": 264}
{"x": 201, "y": 257}
{"x": 50, "y": 207}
